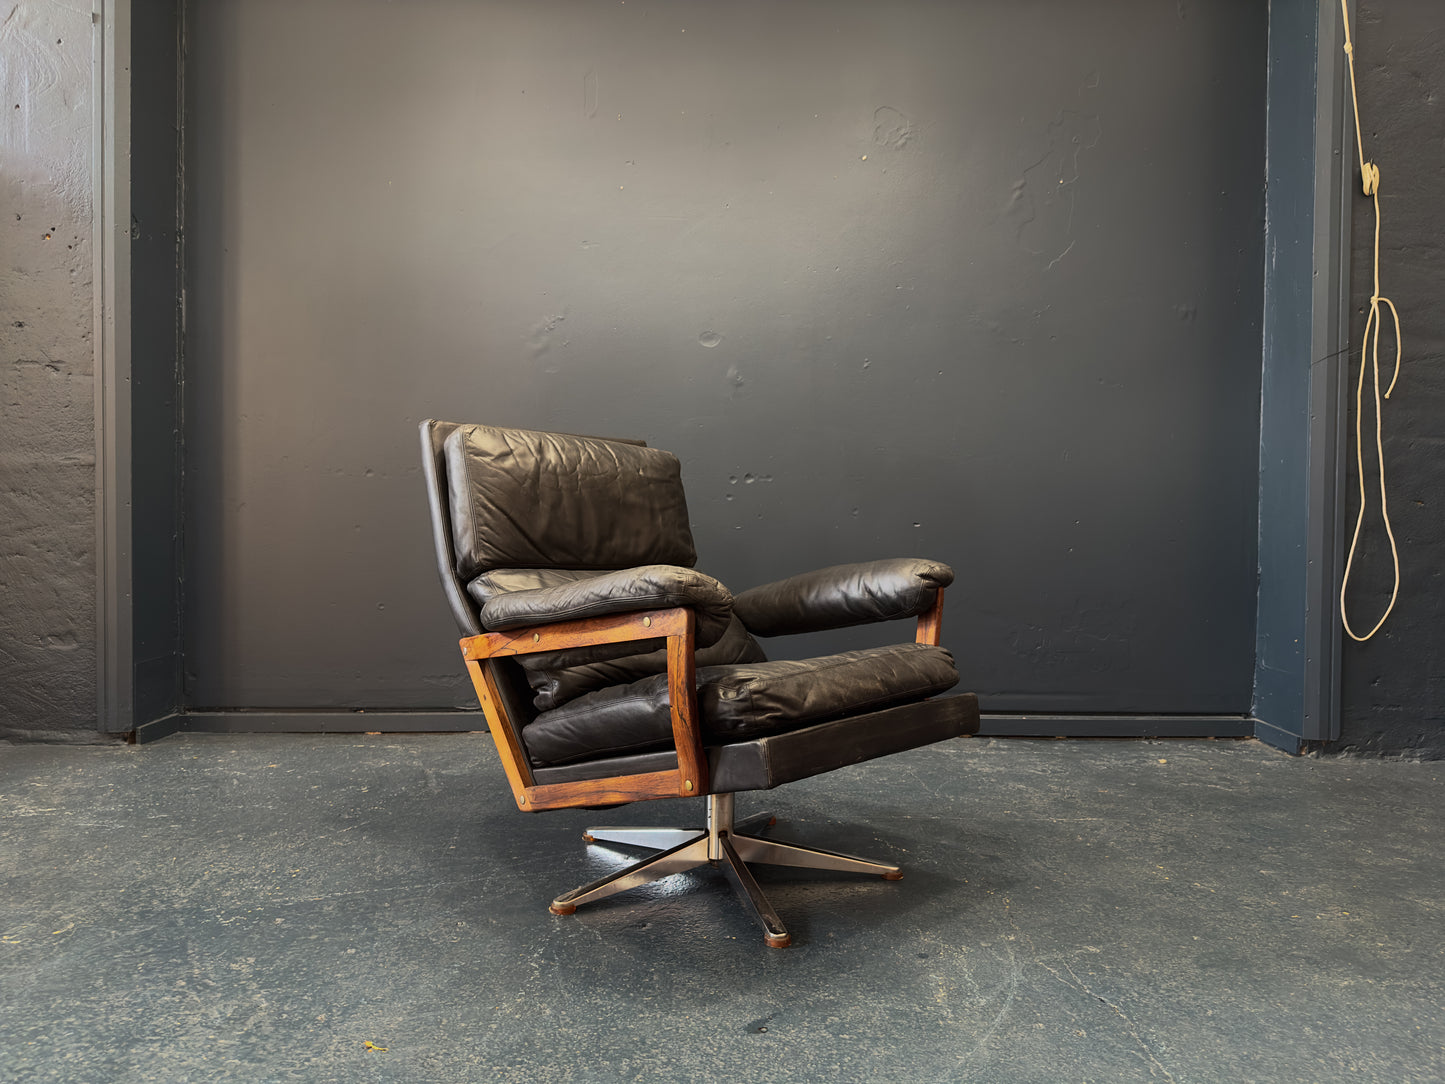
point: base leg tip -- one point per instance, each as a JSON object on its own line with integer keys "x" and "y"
{"x": 562, "y": 908}
{"x": 893, "y": 875}
{"x": 587, "y": 838}
{"x": 773, "y": 940}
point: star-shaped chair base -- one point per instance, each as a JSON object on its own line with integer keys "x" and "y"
{"x": 722, "y": 843}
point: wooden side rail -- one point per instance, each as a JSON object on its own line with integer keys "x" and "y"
{"x": 930, "y": 624}
{"x": 677, "y": 625}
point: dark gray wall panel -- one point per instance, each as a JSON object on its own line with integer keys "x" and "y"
{"x": 1393, "y": 692}
{"x": 155, "y": 378}
{"x": 1297, "y": 633}
{"x": 979, "y": 282}
{"x": 1284, "y": 436}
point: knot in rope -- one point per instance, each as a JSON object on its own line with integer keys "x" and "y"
{"x": 1370, "y": 177}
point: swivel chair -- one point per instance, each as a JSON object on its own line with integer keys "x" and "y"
{"x": 610, "y": 671}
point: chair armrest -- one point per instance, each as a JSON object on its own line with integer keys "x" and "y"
{"x": 678, "y": 625}
{"x": 628, "y": 590}
{"x": 575, "y": 635}
{"x": 843, "y": 595}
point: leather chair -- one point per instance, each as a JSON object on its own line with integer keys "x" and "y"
{"x": 610, "y": 671}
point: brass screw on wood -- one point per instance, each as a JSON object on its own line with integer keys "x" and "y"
{"x": 647, "y": 622}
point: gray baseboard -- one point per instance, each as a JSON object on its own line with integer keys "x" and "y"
{"x": 320, "y": 721}
{"x": 1283, "y": 740}
{"x": 995, "y": 725}
{"x": 157, "y": 729}
{"x": 444, "y": 721}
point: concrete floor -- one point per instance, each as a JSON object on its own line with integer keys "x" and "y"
{"x": 261, "y": 908}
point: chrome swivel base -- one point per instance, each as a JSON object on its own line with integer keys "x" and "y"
{"x": 722, "y": 843}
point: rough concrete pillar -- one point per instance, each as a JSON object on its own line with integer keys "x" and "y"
{"x": 47, "y": 438}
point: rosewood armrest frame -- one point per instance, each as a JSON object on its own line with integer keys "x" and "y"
{"x": 930, "y": 623}
{"x": 678, "y": 625}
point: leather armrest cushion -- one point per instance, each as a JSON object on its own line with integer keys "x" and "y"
{"x": 649, "y": 587}
{"x": 843, "y": 595}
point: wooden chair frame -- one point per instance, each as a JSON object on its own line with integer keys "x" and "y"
{"x": 678, "y": 626}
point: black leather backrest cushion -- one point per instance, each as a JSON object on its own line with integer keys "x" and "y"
{"x": 526, "y": 499}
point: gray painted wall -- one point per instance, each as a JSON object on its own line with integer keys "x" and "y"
{"x": 47, "y": 438}
{"x": 1394, "y": 685}
{"x": 979, "y": 282}
{"x": 1392, "y": 693}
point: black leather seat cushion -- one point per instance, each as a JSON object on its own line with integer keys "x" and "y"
{"x": 739, "y": 702}
{"x": 761, "y": 763}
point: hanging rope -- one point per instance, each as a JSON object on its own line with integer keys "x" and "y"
{"x": 1370, "y": 181}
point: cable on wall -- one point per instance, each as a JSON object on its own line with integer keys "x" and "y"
{"x": 1370, "y": 350}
